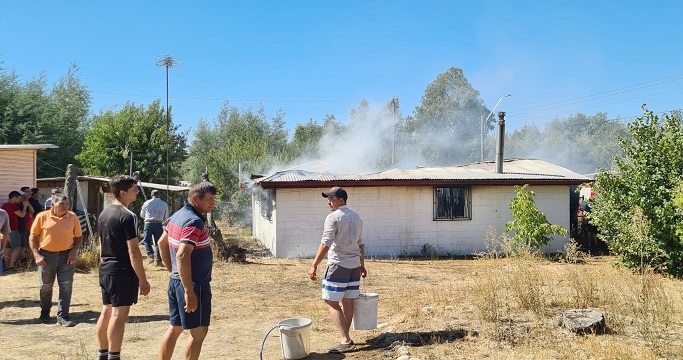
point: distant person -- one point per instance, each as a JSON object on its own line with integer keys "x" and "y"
{"x": 154, "y": 212}
{"x": 122, "y": 272}
{"x": 4, "y": 231}
{"x": 25, "y": 222}
{"x": 55, "y": 239}
{"x": 342, "y": 243}
{"x": 186, "y": 252}
{"x": 15, "y": 244}
{"x": 589, "y": 229}
{"x": 48, "y": 202}
{"x": 33, "y": 200}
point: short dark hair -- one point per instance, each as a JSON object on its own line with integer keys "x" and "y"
{"x": 34, "y": 190}
{"x": 57, "y": 198}
{"x": 121, "y": 183}
{"x": 25, "y": 188}
{"x": 14, "y": 194}
{"x": 202, "y": 188}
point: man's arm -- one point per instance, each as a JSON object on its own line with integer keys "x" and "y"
{"x": 164, "y": 251}
{"x": 184, "y": 261}
{"x": 143, "y": 209}
{"x": 319, "y": 256}
{"x": 21, "y": 213}
{"x": 136, "y": 261}
{"x": 34, "y": 244}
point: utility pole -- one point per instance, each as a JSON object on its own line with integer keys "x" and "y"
{"x": 168, "y": 62}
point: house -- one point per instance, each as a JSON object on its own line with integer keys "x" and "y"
{"x": 404, "y": 212}
{"x": 18, "y": 167}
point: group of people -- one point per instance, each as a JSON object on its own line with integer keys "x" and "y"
{"x": 184, "y": 248}
{"x": 17, "y": 216}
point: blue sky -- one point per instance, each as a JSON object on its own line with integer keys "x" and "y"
{"x": 311, "y": 58}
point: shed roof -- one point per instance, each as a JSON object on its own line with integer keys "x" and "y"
{"x": 28, "y": 147}
{"x": 515, "y": 171}
{"x": 106, "y": 180}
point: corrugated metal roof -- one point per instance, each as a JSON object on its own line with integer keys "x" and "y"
{"x": 28, "y": 147}
{"x": 513, "y": 169}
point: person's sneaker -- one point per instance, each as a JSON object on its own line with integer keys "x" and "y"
{"x": 44, "y": 317}
{"x": 65, "y": 322}
{"x": 342, "y": 348}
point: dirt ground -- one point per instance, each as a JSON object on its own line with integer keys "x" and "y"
{"x": 427, "y": 305}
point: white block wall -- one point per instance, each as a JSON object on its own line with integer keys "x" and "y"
{"x": 399, "y": 220}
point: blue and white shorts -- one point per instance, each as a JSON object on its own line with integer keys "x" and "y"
{"x": 341, "y": 283}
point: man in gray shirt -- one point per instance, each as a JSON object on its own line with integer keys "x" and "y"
{"x": 154, "y": 211}
{"x": 342, "y": 243}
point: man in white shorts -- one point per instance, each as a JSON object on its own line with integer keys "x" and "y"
{"x": 342, "y": 243}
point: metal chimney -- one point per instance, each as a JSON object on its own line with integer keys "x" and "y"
{"x": 500, "y": 142}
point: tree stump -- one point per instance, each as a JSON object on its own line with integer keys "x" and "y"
{"x": 583, "y": 321}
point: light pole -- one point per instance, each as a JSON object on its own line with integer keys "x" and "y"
{"x": 167, "y": 62}
{"x": 482, "y": 121}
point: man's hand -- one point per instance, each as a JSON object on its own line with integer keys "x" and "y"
{"x": 363, "y": 272}
{"x": 190, "y": 301}
{"x": 40, "y": 260}
{"x": 144, "y": 287}
{"x": 312, "y": 271}
{"x": 73, "y": 254}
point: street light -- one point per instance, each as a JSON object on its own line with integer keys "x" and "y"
{"x": 481, "y": 124}
{"x": 167, "y": 62}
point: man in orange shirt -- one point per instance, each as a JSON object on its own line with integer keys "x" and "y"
{"x": 55, "y": 238}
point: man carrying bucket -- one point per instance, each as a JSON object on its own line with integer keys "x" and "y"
{"x": 343, "y": 245}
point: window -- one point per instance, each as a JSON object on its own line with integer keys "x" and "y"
{"x": 452, "y": 203}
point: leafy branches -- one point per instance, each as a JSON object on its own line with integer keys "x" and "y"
{"x": 530, "y": 226}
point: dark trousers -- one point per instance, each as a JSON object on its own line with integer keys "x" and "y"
{"x": 151, "y": 233}
{"x": 56, "y": 266}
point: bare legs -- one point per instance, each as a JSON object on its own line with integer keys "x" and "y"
{"x": 111, "y": 326}
{"x": 193, "y": 345}
{"x": 341, "y": 317}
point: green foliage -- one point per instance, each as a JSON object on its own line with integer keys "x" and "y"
{"x": 446, "y": 125}
{"x": 637, "y": 208}
{"x": 530, "y": 226}
{"x": 581, "y": 143}
{"x": 31, "y": 114}
{"x": 238, "y": 139}
{"x": 113, "y": 136}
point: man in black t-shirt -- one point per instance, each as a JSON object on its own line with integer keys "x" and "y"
{"x": 121, "y": 268}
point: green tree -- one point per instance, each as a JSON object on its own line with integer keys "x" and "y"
{"x": 445, "y": 127}
{"x": 641, "y": 190}
{"x": 30, "y": 114}
{"x": 114, "y": 136}
{"x": 530, "y": 226}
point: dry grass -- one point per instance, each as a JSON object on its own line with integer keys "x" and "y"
{"x": 493, "y": 307}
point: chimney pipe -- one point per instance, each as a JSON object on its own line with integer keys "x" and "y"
{"x": 500, "y": 142}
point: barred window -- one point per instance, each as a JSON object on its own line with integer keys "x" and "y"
{"x": 452, "y": 203}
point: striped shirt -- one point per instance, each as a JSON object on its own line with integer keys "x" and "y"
{"x": 186, "y": 226}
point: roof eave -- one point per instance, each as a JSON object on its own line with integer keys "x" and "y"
{"x": 426, "y": 182}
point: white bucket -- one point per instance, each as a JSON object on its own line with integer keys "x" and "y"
{"x": 365, "y": 312}
{"x": 295, "y": 338}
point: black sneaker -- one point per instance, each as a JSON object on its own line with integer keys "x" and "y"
{"x": 44, "y": 317}
{"x": 65, "y": 322}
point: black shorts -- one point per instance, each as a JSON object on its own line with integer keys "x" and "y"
{"x": 119, "y": 289}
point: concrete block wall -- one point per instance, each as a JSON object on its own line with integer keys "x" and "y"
{"x": 399, "y": 220}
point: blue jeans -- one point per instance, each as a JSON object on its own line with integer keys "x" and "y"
{"x": 152, "y": 232}
{"x": 55, "y": 265}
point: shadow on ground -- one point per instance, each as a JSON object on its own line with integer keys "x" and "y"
{"x": 387, "y": 340}
{"x": 84, "y": 317}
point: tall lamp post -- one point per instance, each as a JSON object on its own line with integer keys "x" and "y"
{"x": 167, "y": 62}
{"x": 481, "y": 124}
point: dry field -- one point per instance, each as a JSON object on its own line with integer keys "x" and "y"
{"x": 440, "y": 309}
